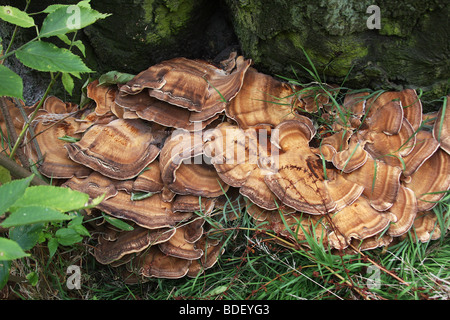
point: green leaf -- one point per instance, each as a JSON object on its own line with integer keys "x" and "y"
{"x": 5, "y": 175}
{"x": 58, "y": 198}
{"x": 67, "y": 82}
{"x": 32, "y": 278}
{"x": 45, "y": 56}
{"x": 16, "y": 16}
{"x": 52, "y": 246}
{"x": 26, "y": 236}
{"x": 10, "y": 250}
{"x": 70, "y": 139}
{"x": 10, "y": 192}
{"x": 11, "y": 83}
{"x": 79, "y": 44}
{"x": 77, "y": 225}
{"x": 33, "y": 214}
{"x": 67, "y": 236}
{"x": 118, "y": 223}
{"x": 136, "y": 196}
{"x": 81, "y": 230}
{"x": 114, "y": 77}
{"x": 4, "y": 272}
{"x": 68, "y": 19}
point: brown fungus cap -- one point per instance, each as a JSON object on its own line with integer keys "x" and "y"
{"x": 262, "y": 100}
{"x": 151, "y": 212}
{"x": 381, "y": 182}
{"x": 298, "y": 180}
{"x": 425, "y": 146}
{"x": 430, "y": 181}
{"x": 357, "y": 221}
{"x": 149, "y": 180}
{"x": 129, "y": 242}
{"x": 426, "y": 227}
{"x": 192, "y": 84}
{"x": 164, "y": 113}
{"x": 48, "y": 130}
{"x": 341, "y": 190}
{"x": 103, "y": 95}
{"x": 120, "y": 149}
{"x": 386, "y": 118}
{"x": 352, "y": 157}
{"x": 183, "y": 169}
{"x": 391, "y": 149}
{"x": 212, "y": 250}
{"x": 190, "y": 203}
{"x": 236, "y": 154}
{"x": 155, "y": 264}
{"x": 178, "y": 246}
{"x": 405, "y": 209}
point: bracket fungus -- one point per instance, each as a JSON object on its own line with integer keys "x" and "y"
{"x": 262, "y": 100}
{"x": 192, "y": 84}
{"x": 45, "y": 147}
{"x": 120, "y": 149}
{"x": 175, "y": 147}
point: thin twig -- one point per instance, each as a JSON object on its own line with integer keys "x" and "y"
{"x": 11, "y": 130}
{"x": 18, "y": 171}
{"x": 32, "y": 116}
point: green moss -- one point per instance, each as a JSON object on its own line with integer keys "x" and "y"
{"x": 167, "y": 18}
{"x": 334, "y": 58}
{"x": 391, "y": 28}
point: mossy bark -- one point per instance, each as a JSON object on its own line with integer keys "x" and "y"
{"x": 141, "y": 33}
{"x": 411, "y": 49}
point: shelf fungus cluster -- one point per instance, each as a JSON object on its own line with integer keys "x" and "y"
{"x": 169, "y": 147}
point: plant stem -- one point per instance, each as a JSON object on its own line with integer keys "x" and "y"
{"x": 32, "y": 116}
{"x": 11, "y": 131}
{"x": 18, "y": 171}
{"x": 7, "y": 53}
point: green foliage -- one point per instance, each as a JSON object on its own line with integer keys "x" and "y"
{"x": 16, "y": 16}
{"x": 37, "y": 214}
{"x": 10, "y": 83}
{"x": 44, "y": 56}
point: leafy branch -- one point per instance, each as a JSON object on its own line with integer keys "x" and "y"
{"x": 30, "y": 210}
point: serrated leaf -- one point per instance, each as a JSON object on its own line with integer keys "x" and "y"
{"x": 67, "y": 236}
{"x": 114, "y": 77}
{"x": 26, "y": 236}
{"x": 45, "y": 56}
{"x": 67, "y": 82}
{"x": 33, "y": 214}
{"x": 58, "y": 198}
{"x": 4, "y": 272}
{"x": 69, "y": 18}
{"x": 11, "y": 83}
{"x": 10, "y": 250}
{"x": 16, "y": 16}
{"x": 12, "y": 191}
{"x": 52, "y": 245}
